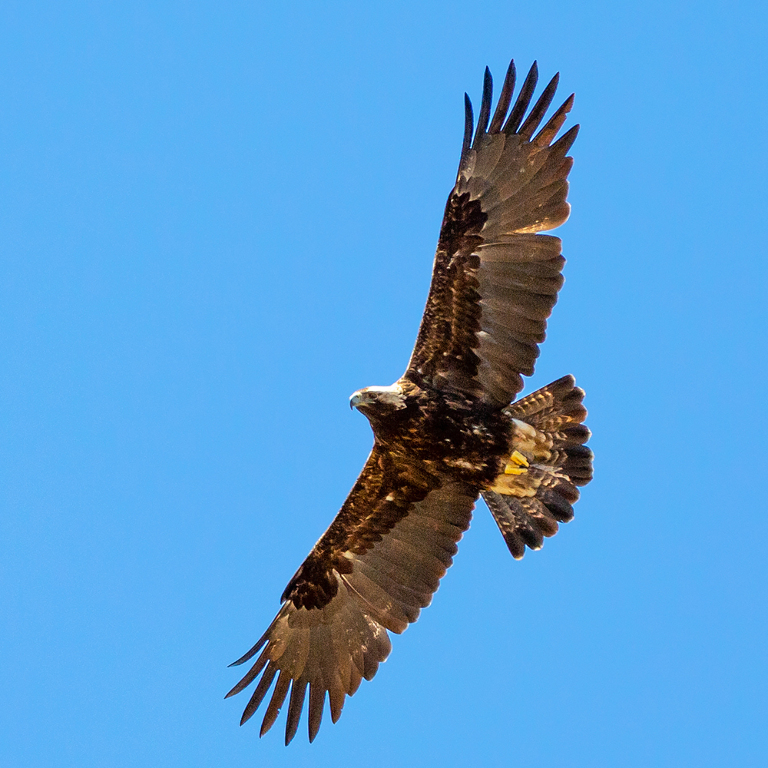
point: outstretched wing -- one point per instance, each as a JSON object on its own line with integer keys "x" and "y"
{"x": 495, "y": 281}
{"x": 373, "y": 570}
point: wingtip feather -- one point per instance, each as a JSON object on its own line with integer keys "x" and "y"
{"x": 523, "y": 100}
{"x": 505, "y": 97}
{"x": 485, "y": 106}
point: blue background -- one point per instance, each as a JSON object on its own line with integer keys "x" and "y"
{"x": 218, "y": 221}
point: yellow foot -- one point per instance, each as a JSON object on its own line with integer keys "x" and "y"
{"x": 515, "y": 464}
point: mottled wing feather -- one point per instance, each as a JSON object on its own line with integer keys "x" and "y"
{"x": 375, "y": 568}
{"x": 495, "y": 281}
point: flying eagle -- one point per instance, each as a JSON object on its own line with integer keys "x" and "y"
{"x": 447, "y": 431}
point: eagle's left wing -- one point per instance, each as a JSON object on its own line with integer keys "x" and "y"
{"x": 373, "y": 570}
{"x": 494, "y": 280}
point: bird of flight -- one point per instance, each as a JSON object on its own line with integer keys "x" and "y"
{"x": 448, "y": 430}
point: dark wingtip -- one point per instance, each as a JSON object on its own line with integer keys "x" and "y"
{"x": 523, "y": 100}
{"x": 247, "y": 655}
{"x": 469, "y": 119}
{"x": 504, "y": 99}
{"x": 485, "y": 105}
{"x": 468, "y": 122}
{"x": 555, "y": 123}
{"x": 536, "y": 115}
{"x": 565, "y": 142}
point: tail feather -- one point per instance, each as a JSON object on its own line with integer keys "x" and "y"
{"x": 528, "y": 504}
{"x": 556, "y": 410}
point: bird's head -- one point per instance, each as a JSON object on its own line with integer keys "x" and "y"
{"x": 378, "y": 401}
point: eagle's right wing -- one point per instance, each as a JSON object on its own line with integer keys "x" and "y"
{"x": 495, "y": 280}
{"x": 373, "y": 570}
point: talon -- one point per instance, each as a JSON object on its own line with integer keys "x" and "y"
{"x": 518, "y": 458}
{"x": 515, "y": 464}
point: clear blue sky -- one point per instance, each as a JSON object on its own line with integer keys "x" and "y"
{"x": 217, "y": 221}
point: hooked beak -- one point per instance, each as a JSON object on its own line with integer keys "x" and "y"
{"x": 355, "y": 400}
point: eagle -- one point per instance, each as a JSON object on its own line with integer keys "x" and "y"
{"x": 449, "y": 430}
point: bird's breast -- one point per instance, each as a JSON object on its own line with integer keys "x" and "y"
{"x": 467, "y": 443}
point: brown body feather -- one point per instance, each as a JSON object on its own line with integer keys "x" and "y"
{"x": 445, "y": 432}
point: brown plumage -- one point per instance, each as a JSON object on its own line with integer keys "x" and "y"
{"x": 446, "y": 432}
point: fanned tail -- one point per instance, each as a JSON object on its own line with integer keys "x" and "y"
{"x": 538, "y": 486}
